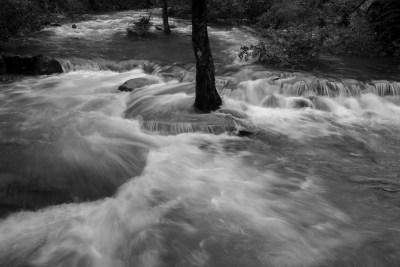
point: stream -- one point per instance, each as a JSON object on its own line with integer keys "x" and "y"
{"x": 299, "y": 168}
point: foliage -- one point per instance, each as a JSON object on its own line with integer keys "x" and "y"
{"x": 396, "y": 50}
{"x": 19, "y": 15}
{"x": 287, "y": 48}
{"x": 143, "y": 24}
{"x": 358, "y": 38}
{"x": 385, "y": 15}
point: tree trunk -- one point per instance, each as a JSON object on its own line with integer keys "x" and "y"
{"x": 167, "y": 30}
{"x": 207, "y": 97}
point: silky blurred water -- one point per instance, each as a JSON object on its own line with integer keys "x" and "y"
{"x": 297, "y": 169}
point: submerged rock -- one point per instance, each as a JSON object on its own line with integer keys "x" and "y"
{"x": 234, "y": 113}
{"x": 299, "y": 102}
{"x": 271, "y": 101}
{"x": 133, "y": 32}
{"x": 31, "y": 65}
{"x": 321, "y": 104}
{"x": 133, "y": 84}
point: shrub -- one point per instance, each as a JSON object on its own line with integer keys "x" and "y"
{"x": 287, "y": 48}
{"x": 396, "y": 50}
{"x": 18, "y": 16}
{"x": 142, "y": 25}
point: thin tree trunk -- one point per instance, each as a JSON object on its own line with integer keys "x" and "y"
{"x": 167, "y": 30}
{"x": 207, "y": 97}
{"x": 358, "y": 6}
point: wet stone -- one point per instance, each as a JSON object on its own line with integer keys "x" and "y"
{"x": 31, "y": 65}
{"x": 133, "y": 84}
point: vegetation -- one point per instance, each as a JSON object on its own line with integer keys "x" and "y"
{"x": 143, "y": 24}
{"x": 298, "y": 30}
{"x": 286, "y": 48}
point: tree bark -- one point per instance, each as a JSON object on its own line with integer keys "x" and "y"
{"x": 207, "y": 97}
{"x": 167, "y": 30}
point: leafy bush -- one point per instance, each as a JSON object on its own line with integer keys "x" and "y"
{"x": 358, "y": 38}
{"x": 396, "y": 50}
{"x": 143, "y": 24}
{"x": 387, "y": 19}
{"x": 287, "y": 48}
{"x": 18, "y": 16}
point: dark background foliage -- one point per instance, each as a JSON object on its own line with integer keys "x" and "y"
{"x": 297, "y": 30}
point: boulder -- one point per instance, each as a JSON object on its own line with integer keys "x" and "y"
{"x": 299, "y": 102}
{"x": 45, "y": 65}
{"x": 2, "y": 66}
{"x": 134, "y": 32}
{"x": 31, "y": 65}
{"x": 131, "y": 33}
{"x": 271, "y": 101}
{"x": 133, "y": 84}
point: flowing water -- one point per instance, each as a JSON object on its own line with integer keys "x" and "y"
{"x": 297, "y": 169}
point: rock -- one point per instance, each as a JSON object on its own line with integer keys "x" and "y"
{"x": 55, "y": 24}
{"x": 298, "y": 102}
{"x": 18, "y": 64}
{"x": 133, "y": 84}
{"x": 131, "y": 33}
{"x": 322, "y": 104}
{"x": 234, "y": 113}
{"x": 2, "y": 66}
{"x": 31, "y": 65}
{"x": 73, "y": 26}
{"x": 271, "y": 102}
{"x": 45, "y": 65}
{"x": 134, "y": 32}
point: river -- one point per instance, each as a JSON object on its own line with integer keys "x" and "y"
{"x": 299, "y": 168}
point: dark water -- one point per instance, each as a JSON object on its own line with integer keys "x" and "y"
{"x": 298, "y": 169}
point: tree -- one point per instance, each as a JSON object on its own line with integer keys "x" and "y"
{"x": 207, "y": 97}
{"x": 167, "y": 30}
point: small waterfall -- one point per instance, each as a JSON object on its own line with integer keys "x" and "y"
{"x": 78, "y": 64}
{"x": 171, "y": 128}
{"x": 252, "y": 91}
